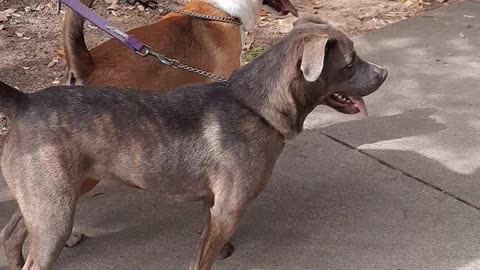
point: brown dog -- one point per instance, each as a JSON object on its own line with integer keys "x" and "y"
{"x": 212, "y": 46}
{"x": 215, "y": 143}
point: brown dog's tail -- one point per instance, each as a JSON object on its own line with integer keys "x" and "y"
{"x": 9, "y": 100}
{"x": 79, "y": 60}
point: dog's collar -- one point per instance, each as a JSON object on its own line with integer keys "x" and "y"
{"x": 155, "y": 5}
{"x": 232, "y": 20}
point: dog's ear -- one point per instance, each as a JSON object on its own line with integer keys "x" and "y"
{"x": 313, "y": 57}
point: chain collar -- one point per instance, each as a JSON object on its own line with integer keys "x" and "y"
{"x": 154, "y": 5}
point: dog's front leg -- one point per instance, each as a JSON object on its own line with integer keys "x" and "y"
{"x": 228, "y": 248}
{"x": 220, "y": 226}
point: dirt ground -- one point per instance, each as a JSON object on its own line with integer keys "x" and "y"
{"x": 31, "y": 55}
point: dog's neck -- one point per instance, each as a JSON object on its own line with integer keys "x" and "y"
{"x": 245, "y": 10}
{"x": 273, "y": 87}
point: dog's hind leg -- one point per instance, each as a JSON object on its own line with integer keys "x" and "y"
{"x": 13, "y": 236}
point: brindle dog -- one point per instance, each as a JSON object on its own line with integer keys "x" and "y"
{"x": 216, "y": 143}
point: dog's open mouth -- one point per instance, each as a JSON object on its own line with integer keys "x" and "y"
{"x": 346, "y": 104}
{"x": 281, "y": 6}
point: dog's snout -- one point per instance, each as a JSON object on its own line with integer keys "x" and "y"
{"x": 379, "y": 72}
{"x": 382, "y": 74}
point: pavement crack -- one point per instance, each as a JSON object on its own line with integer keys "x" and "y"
{"x": 404, "y": 172}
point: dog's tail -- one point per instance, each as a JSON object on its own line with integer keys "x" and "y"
{"x": 9, "y": 100}
{"x": 79, "y": 60}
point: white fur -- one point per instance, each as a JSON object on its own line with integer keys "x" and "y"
{"x": 245, "y": 10}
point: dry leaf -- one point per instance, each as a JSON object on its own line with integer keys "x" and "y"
{"x": 2, "y": 27}
{"x": 468, "y": 16}
{"x": 9, "y": 11}
{"x": 60, "y": 52}
{"x": 56, "y": 81}
{"x": 462, "y": 35}
{"x": 53, "y": 62}
{"x": 141, "y": 7}
{"x": 26, "y": 68}
{"x": 113, "y": 6}
{"x": 19, "y": 34}
{"x": 250, "y": 39}
{"x": 3, "y": 17}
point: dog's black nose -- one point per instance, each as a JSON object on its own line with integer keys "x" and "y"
{"x": 382, "y": 74}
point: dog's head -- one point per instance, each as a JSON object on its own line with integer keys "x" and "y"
{"x": 329, "y": 64}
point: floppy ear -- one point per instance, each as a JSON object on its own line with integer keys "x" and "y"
{"x": 313, "y": 57}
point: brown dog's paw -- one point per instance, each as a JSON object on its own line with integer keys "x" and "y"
{"x": 227, "y": 250}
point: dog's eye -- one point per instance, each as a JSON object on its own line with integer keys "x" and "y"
{"x": 352, "y": 63}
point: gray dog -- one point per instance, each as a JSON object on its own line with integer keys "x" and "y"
{"x": 215, "y": 143}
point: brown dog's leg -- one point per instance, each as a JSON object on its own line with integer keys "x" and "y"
{"x": 12, "y": 237}
{"x": 220, "y": 227}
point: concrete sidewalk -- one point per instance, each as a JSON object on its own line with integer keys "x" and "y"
{"x": 397, "y": 191}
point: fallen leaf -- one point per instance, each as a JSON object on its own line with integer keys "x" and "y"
{"x": 250, "y": 39}
{"x": 113, "y": 6}
{"x": 53, "y": 62}
{"x": 462, "y": 35}
{"x": 27, "y": 38}
{"x": 26, "y": 68}
{"x": 141, "y": 7}
{"x": 2, "y": 27}
{"x": 56, "y": 81}
{"x": 9, "y": 11}
{"x": 60, "y": 52}
{"x": 28, "y": 9}
{"x": 3, "y": 17}
{"x": 114, "y": 13}
{"x": 468, "y": 16}
{"x": 19, "y": 34}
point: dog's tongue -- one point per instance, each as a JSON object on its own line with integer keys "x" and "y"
{"x": 289, "y": 7}
{"x": 360, "y": 104}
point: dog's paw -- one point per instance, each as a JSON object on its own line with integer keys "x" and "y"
{"x": 74, "y": 239}
{"x": 227, "y": 250}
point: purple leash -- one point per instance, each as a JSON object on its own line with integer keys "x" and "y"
{"x": 101, "y": 23}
